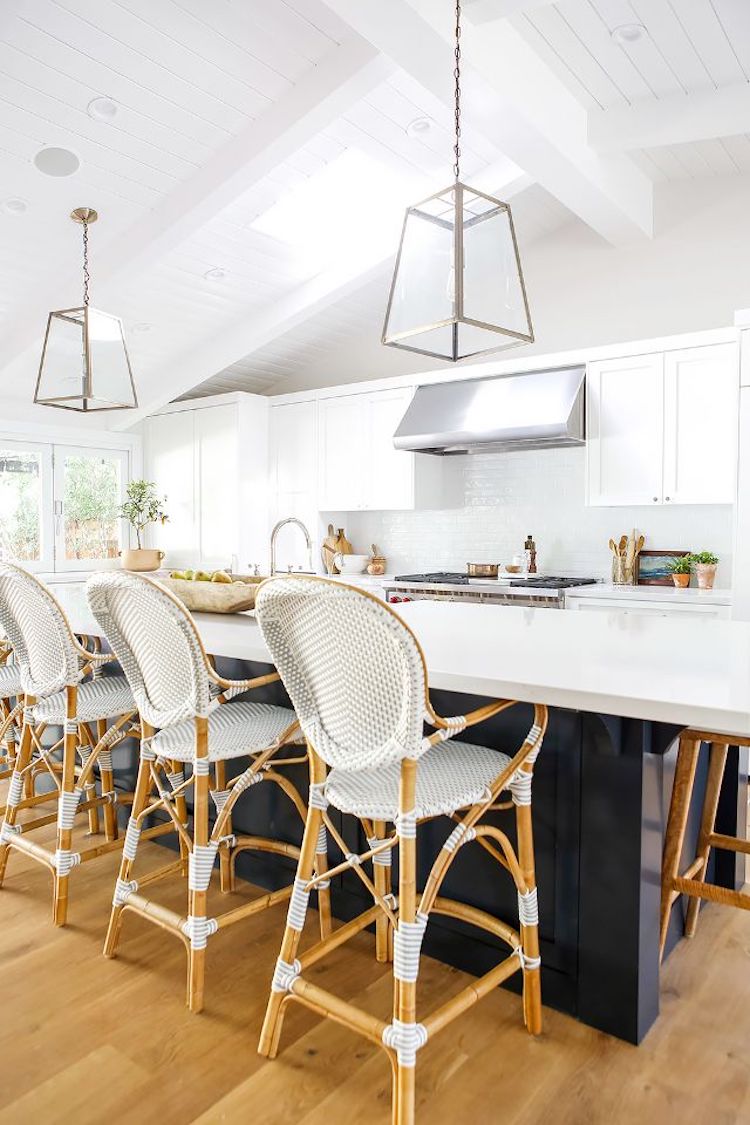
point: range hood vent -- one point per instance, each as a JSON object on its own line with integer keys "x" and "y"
{"x": 537, "y": 410}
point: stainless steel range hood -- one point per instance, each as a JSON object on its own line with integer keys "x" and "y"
{"x": 537, "y": 410}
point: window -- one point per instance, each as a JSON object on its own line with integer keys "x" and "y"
{"x": 59, "y": 505}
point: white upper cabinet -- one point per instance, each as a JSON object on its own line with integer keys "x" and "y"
{"x": 701, "y": 403}
{"x": 662, "y": 428}
{"x": 358, "y": 467}
{"x": 169, "y": 461}
{"x": 293, "y": 475}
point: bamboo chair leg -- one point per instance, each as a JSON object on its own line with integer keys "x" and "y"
{"x": 268, "y": 1044}
{"x": 532, "y": 982}
{"x": 65, "y": 834}
{"x": 198, "y": 898}
{"x": 405, "y": 992}
{"x": 717, "y": 762}
{"x": 22, "y": 761}
{"x": 382, "y": 880}
{"x": 687, "y": 760}
{"x": 324, "y": 893}
{"x": 226, "y": 867}
{"x": 93, "y": 813}
{"x": 180, "y": 805}
{"x": 108, "y": 787}
{"x": 140, "y": 801}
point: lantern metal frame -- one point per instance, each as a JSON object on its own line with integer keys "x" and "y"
{"x": 459, "y": 225}
{"x": 79, "y": 316}
{"x": 458, "y": 189}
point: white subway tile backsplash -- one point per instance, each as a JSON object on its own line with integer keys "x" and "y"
{"x": 508, "y": 495}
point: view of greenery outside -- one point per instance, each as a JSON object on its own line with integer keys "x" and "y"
{"x": 91, "y": 505}
{"x": 20, "y": 532}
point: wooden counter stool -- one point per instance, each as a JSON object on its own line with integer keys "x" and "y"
{"x": 59, "y": 690}
{"x": 357, "y": 679}
{"x": 692, "y": 882}
{"x": 11, "y": 712}
{"x": 189, "y": 719}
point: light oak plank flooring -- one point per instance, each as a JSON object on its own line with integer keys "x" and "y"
{"x": 85, "y": 1040}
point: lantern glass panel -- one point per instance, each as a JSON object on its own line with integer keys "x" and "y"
{"x": 111, "y": 383}
{"x": 493, "y": 293}
{"x": 63, "y": 366}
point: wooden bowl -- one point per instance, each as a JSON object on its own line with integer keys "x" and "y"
{"x": 513, "y": 569}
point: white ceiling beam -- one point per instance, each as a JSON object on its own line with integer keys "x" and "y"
{"x": 672, "y": 120}
{"x": 512, "y": 97}
{"x": 342, "y": 77}
{"x": 227, "y": 345}
{"x": 481, "y": 11}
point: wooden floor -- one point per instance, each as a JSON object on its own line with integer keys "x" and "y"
{"x": 84, "y": 1040}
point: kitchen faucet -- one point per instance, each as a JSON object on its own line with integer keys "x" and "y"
{"x": 308, "y": 542}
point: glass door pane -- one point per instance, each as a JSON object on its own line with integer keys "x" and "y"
{"x": 26, "y": 504}
{"x": 89, "y": 489}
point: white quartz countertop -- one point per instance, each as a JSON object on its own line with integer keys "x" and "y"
{"x": 686, "y": 671}
{"x": 691, "y": 596}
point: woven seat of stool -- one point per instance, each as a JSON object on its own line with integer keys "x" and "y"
{"x": 236, "y": 729}
{"x": 451, "y": 776}
{"x": 105, "y": 698}
{"x": 10, "y": 681}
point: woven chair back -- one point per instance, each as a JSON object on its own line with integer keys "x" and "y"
{"x": 38, "y": 630}
{"x": 353, "y": 671}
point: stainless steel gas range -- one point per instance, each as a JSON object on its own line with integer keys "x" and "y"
{"x": 541, "y": 591}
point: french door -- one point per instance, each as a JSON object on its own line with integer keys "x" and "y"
{"x": 59, "y": 505}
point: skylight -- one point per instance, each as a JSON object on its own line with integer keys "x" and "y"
{"x": 349, "y": 208}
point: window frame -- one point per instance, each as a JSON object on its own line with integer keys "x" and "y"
{"x": 46, "y": 559}
{"x": 64, "y": 565}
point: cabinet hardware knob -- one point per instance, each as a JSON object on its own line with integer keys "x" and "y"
{"x": 656, "y": 499}
{"x": 666, "y": 498}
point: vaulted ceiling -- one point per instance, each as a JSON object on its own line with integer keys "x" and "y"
{"x": 231, "y": 118}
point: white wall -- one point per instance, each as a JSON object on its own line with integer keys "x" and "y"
{"x": 584, "y": 292}
{"x": 508, "y": 495}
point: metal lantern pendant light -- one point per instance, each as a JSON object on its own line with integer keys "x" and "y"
{"x": 85, "y": 364}
{"x": 457, "y": 288}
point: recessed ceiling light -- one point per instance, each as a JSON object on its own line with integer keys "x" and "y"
{"x": 14, "y": 206}
{"x": 418, "y": 127}
{"x": 142, "y": 327}
{"x": 628, "y": 33}
{"x": 216, "y": 274}
{"x": 102, "y": 109}
{"x": 57, "y": 161}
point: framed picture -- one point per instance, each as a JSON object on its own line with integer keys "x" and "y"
{"x": 652, "y": 567}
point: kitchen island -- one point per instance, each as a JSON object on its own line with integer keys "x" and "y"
{"x": 619, "y": 689}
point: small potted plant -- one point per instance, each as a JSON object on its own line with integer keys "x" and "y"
{"x": 680, "y": 570}
{"x": 142, "y": 508}
{"x": 704, "y": 564}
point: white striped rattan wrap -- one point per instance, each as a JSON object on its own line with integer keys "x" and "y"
{"x": 67, "y": 807}
{"x": 450, "y": 776}
{"x": 520, "y": 787}
{"x": 176, "y": 778}
{"x": 66, "y": 860}
{"x": 123, "y": 890}
{"x": 297, "y": 911}
{"x": 36, "y": 627}
{"x": 461, "y": 834}
{"x": 105, "y": 698}
{"x": 284, "y": 975}
{"x": 527, "y": 963}
{"x": 156, "y": 643}
{"x": 199, "y": 930}
{"x": 406, "y": 1039}
{"x": 382, "y": 859}
{"x": 234, "y": 729}
{"x": 352, "y": 669}
{"x": 132, "y": 839}
{"x": 321, "y": 847}
{"x": 528, "y": 908}
{"x": 201, "y": 865}
{"x": 15, "y": 790}
{"x": 407, "y": 947}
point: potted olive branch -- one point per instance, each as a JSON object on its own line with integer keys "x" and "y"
{"x": 680, "y": 570}
{"x": 142, "y": 507}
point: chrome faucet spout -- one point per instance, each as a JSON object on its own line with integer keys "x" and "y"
{"x": 308, "y": 543}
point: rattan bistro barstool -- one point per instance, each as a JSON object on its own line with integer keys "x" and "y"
{"x": 59, "y": 690}
{"x": 11, "y": 712}
{"x": 692, "y": 882}
{"x": 357, "y": 679}
{"x": 189, "y": 718}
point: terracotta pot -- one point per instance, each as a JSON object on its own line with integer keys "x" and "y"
{"x": 141, "y": 558}
{"x": 681, "y": 580}
{"x": 705, "y": 573}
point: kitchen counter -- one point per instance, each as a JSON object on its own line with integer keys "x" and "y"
{"x": 619, "y": 688}
{"x": 691, "y": 596}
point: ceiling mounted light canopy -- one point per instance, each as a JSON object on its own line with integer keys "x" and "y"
{"x": 85, "y": 364}
{"x": 457, "y": 288}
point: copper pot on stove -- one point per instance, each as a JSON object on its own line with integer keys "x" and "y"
{"x": 482, "y": 570}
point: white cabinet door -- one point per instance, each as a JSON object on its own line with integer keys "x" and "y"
{"x": 343, "y": 456}
{"x": 389, "y": 479}
{"x": 171, "y": 463}
{"x": 625, "y": 410}
{"x": 216, "y": 437}
{"x": 701, "y": 403}
{"x": 294, "y": 472}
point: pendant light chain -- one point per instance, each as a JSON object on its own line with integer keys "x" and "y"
{"x": 86, "y": 275}
{"x": 457, "y": 77}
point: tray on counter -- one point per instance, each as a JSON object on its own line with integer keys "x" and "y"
{"x": 215, "y": 597}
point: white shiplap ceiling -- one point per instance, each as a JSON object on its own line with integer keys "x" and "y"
{"x": 197, "y": 83}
